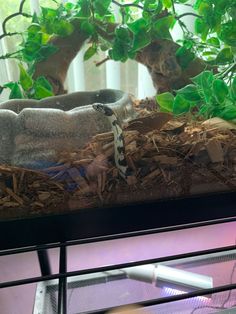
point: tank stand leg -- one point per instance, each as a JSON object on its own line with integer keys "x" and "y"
{"x": 44, "y": 262}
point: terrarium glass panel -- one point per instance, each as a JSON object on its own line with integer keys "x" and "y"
{"x": 104, "y": 148}
{"x": 80, "y": 130}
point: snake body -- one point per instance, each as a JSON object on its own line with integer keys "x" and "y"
{"x": 119, "y": 147}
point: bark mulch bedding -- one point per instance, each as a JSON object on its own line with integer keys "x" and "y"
{"x": 169, "y": 158}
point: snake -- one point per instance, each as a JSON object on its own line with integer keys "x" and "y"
{"x": 119, "y": 146}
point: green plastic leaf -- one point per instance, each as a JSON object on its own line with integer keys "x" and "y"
{"x": 101, "y": 6}
{"x": 119, "y": 51}
{"x": 213, "y": 19}
{"x": 46, "y": 51}
{"x": 204, "y": 7}
{"x": 220, "y": 90}
{"x": 48, "y": 13}
{"x": 214, "y": 41}
{"x": 41, "y": 89}
{"x": 165, "y": 101}
{"x": 224, "y": 56}
{"x": 85, "y": 10}
{"x": 233, "y": 88}
{"x": 199, "y": 25}
{"x": 229, "y": 113}
{"x": 221, "y": 5}
{"x": 31, "y": 48}
{"x": 205, "y": 78}
{"x": 209, "y": 53}
{"x": 69, "y": 6}
{"x": 141, "y": 40}
{"x": 63, "y": 28}
{"x": 139, "y": 25}
{"x": 197, "y": 4}
{"x": 204, "y": 82}
{"x": 202, "y": 28}
{"x": 190, "y": 93}
{"x": 161, "y": 27}
{"x": 88, "y": 28}
{"x": 35, "y": 18}
{"x": 184, "y": 56}
{"x": 41, "y": 92}
{"x": 153, "y": 5}
{"x": 228, "y": 33}
{"x": 26, "y": 80}
{"x": 34, "y": 28}
{"x": 181, "y": 105}
{"x": 167, "y": 3}
{"x": 41, "y": 80}
{"x": 132, "y": 54}
{"x": 122, "y": 32}
{"x": 123, "y": 43}
{"x": 9, "y": 85}
{"x": 204, "y": 110}
{"x": 232, "y": 12}
{"x": 91, "y": 51}
{"x": 16, "y": 92}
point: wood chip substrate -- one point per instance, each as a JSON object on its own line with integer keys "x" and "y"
{"x": 25, "y": 192}
{"x": 169, "y": 158}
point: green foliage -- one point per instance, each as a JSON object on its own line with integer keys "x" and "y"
{"x": 90, "y": 52}
{"x": 140, "y": 22}
{"x": 101, "y": 7}
{"x": 166, "y": 101}
{"x": 209, "y": 96}
{"x": 161, "y": 28}
{"x": 184, "y": 56}
{"x": 27, "y": 87}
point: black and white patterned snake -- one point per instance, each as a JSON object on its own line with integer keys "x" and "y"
{"x": 119, "y": 146}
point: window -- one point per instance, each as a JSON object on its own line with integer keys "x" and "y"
{"x": 130, "y": 76}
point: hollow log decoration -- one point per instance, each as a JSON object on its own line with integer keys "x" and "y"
{"x": 56, "y": 66}
{"x": 166, "y": 73}
{"x": 159, "y": 57}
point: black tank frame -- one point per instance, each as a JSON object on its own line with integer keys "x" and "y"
{"x": 132, "y": 219}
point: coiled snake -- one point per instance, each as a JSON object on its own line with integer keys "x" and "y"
{"x": 120, "y": 159}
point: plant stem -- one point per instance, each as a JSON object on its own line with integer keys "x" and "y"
{"x": 20, "y": 12}
{"x": 127, "y": 4}
{"x": 228, "y": 70}
{"x": 130, "y": 5}
{"x": 102, "y": 61}
{"x": 173, "y": 7}
{"x": 188, "y": 13}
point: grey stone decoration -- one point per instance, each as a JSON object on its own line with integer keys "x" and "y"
{"x": 36, "y": 131}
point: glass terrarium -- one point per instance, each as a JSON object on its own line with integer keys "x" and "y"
{"x": 108, "y": 103}
{"x": 62, "y": 154}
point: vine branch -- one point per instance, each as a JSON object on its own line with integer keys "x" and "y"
{"x": 173, "y": 7}
{"x": 127, "y": 5}
{"x": 231, "y": 68}
{"x": 131, "y": 5}
{"x": 187, "y": 13}
{"x": 4, "y": 24}
{"x": 102, "y": 61}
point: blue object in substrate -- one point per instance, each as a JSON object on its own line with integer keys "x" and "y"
{"x": 60, "y": 175}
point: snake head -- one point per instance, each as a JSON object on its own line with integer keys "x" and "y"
{"x": 103, "y": 109}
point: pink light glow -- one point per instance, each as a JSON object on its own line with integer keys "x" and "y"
{"x": 171, "y": 291}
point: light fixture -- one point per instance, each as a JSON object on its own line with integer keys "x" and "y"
{"x": 160, "y": 275}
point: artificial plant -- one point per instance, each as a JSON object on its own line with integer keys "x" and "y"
{"x": 195, "y": 73}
